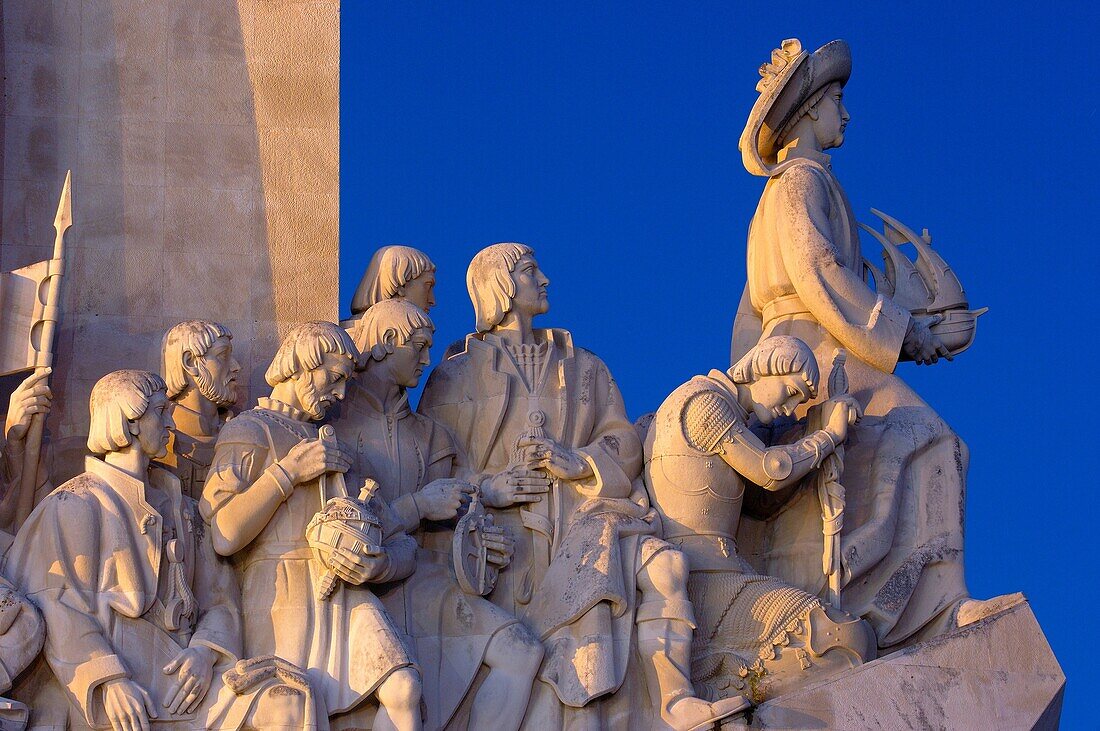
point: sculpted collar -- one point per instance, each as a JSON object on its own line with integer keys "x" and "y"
{"x": 367, "y": 401}
{"x": 792, "y": 153}
{"x": 131, "y": 489}
{"x": 561, "y": 340}
{"x": 282, "y": 409}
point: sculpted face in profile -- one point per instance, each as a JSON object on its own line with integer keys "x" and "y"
{"x": 776, "y": 396}
{"x": 395, "y": 272}
{"x": 531, "y": 285}
{"x": 198, "y": 362}
{"x": 201, "y": 373}
{"x": 320, "y": 388}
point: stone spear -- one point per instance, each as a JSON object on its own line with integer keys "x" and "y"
{"x": 43, "y": 347}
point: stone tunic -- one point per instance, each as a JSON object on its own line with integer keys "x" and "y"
{"x": 348, "y": 642}
{"x": 93, "y": 557}
{"x": 905, "y": 469}
{"x": 591, "y": 534}
{"x": 189, "y": 457}
{"x": 450, "y": 630}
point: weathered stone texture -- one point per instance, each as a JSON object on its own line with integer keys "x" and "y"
{"x": 996, "y": 673}
{"x": 204, "y": 142}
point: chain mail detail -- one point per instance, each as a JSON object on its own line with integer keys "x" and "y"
{"x": 707, "y": 419}
{"x": 741, "y": 618}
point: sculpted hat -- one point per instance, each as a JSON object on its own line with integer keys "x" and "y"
{"x": 791, "y": 78}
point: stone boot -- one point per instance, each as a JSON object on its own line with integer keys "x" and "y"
{"x": 665, "y": 646}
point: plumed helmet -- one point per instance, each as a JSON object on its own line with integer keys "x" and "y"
{"x": 787, "y": 82}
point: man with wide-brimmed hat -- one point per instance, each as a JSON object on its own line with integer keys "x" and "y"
{"x": 905, "y": 477}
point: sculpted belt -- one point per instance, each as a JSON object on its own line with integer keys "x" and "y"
{"x": 790, "y": 305}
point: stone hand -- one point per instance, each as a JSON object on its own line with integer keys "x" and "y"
{"x": 358, "y": 567}
{"x": 517, "y": 484}
{"x": 311, "y": 458}
{"x": 31, "y": 397}
{"x": 843, "y": 411}
{"x": 921, "y": 344}
{"x": 560, "y": 461}
{"x": 443, "y": 499}
{"x": 128, "y": 705}
{"x": 500, "y": 545}
{"x": 195, "y": 669}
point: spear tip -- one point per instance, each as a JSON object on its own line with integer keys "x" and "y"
{"x": 64, "y": 217}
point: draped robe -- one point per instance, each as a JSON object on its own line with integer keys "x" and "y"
{"x": 572, "y": 580}
{"x": 905, "y": 468}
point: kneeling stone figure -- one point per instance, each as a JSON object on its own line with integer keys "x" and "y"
{"x": 698, "y": 454}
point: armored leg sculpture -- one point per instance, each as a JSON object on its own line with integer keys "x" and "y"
{"x": 665, "y": 623}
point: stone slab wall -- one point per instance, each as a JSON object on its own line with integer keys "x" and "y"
{"x": 203, "y": 136}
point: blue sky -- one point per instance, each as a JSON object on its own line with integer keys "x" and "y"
{"x": 605, "y": 135}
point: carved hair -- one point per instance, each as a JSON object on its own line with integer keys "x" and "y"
{"x": 779, "y": 355}
{"x": 390, "y": 269}
{"x": 304, "y": 349}
{"x": 388, "y": 325}
{"x": 194, "y": 337}
{"x": 802, "y": 111}
{"x": 489, "y": 281}
{"x": 117, "y": 399}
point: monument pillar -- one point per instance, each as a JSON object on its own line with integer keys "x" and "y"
{"x": 203, "y": 136}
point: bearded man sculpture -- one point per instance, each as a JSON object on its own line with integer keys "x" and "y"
{"x": 545, "y": 431}
{"x": 198, "y": 365}
{"x": 699, "y": 454}
{"x": 267, "y": 481}
{"x": 417, "y": 462}
{"x": 902, "y": 541}
{"x": 142, "y": 618}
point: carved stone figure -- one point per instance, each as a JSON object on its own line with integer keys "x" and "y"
{"x": 699, "y": 453}
{"x": 198, "y": 365}
{"x": 416, "y": 461}
{"x": 901, "y": 547}
{"x": 546, "y": 435}
{"x": 268, "y": 479}
{"x": 143, "y": 620}
{"x": 394, "y": 272}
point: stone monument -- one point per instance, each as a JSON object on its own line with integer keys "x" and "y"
{"x": 203, "y": 137}
{"x": 779, "y": 546}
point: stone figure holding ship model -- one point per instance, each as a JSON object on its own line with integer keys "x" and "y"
{"x": 902, "y": 542}
{"x": 270, "y": 476}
